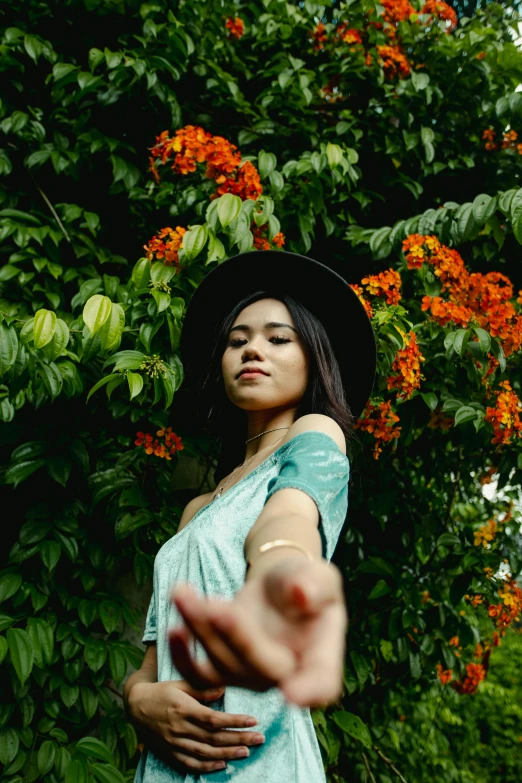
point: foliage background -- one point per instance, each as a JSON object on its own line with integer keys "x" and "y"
{"x": 339, "y": 155}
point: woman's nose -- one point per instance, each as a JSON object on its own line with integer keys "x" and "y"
{"x": 252, "y": 350}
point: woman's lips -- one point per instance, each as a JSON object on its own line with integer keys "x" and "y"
{"x": 252, "y": 374}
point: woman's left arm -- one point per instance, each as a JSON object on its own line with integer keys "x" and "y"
{"x": 287, "y": 626}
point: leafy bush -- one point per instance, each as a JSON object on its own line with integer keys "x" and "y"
{"x": 378, "y": 137}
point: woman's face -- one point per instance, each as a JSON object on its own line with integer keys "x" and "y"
{"x": 264, "y": 364}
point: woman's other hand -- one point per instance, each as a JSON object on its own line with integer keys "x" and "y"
{"x": 180, "y": 730}
{"x": 286, "y": 627}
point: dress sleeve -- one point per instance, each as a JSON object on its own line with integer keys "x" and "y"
{"x": 312, "y": 462}
{"x": 150, "y": 632}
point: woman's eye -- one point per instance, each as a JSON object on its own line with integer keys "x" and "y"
{"x": 236, "y": 343}
{"x": 279, "y": 340}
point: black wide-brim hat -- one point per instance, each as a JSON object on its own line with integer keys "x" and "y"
{"x": 321, "y": 290}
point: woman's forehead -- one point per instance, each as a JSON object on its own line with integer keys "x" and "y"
{"x": 264, "y": 311}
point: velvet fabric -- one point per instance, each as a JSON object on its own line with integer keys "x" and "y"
{"x": 208, "y": 553}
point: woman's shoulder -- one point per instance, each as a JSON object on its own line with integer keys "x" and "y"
{"x": 318, "y": 422}
{"x": 192, "y": 508}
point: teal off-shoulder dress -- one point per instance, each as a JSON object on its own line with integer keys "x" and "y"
{"x": 208, "y": 553}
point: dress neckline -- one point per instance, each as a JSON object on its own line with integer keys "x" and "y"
{"x": 255, "y": 470}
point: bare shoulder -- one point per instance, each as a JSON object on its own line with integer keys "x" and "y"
{"x": 321, "y": 423}
{"x": 192, "y": 508}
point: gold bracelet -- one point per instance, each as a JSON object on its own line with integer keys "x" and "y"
{"x": 283, "y": 542}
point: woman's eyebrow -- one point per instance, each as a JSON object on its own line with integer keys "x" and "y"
{"x": 269, "y": 325}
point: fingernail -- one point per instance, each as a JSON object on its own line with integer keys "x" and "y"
{"x": 258, "y": 739}
{"x": 220, "y": 765}
{"x": 251, "y": 722}
{"x": 242, "y": 753}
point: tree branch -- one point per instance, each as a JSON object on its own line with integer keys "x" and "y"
{"x": 389, "y": 764}
{"x": 368, "y": 770}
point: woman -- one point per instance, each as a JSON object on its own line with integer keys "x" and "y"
{"x": 292, "y": 364}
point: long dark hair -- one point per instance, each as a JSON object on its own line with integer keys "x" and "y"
{"x": 324, "y": 393}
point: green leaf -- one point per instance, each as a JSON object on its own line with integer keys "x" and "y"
{"x": 50, "y": 553}
{"x": 351, "y": 724}
{"x": 267, "y": 162}
{"x": 96, "y": 311}
{"x": 448, "y": 539}
{"x": 62, "y": 761}
{"x": 102, "y": 382}
{"x": 484, "y": 339}
{"x": 141, "y": 273}
{"x": 465, "y": 222}
{"x": 117, "y": 663}
{"x": 229, "y": 207}
{"x": 46, "y": 756}
{"x": 3, "y": 648}
{"x": 69, "y": 694}
{"x": 430, "y": 399}
{"x": 95, "y": 653}
{"x": 77, "y": 772}
{"x": 42, "y": 639}
{"x": 89, "y": 702}
{"x": 90, "y": 746}
{"x": 9, "y": 744}
{"x": 87, "y": 612}
{"x": 21, "y": 652}
{"x": 9, "y": 585}
{"x": 126, "y": 360}
{"x": 110, "y": 615}
{"x": 135, "y": 381}
{"x": 106, "y": 773}
{"x": 465, "y": 413}
{"x": 59, "y": 343}
{"x": 111, "y": 331}
{"x": 8, "y": 347}
{"x": 380, "y": 589}
{"x": 484, "y": 207}
{"x": 195, "y": 239}
{"x": 360, "y": 666}
{"x": 44, "y": 326}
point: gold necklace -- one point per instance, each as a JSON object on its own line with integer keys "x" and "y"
{"x": 239, "y": 468}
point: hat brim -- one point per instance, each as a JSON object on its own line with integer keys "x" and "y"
{"x": 321, "y": 290}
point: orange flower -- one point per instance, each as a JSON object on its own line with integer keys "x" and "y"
{"x": 454, "y": 641}
{"x": 394, "y": 62}
{"x": 386, "y": 284}
{"x": 505, "y": 416}
{"x": 348, "y": 35}
{"x": 510, "y": 606}
{"x": 407, "y": 366}
{"x": 439, "y": 420}
{"x": 379, "y": 419}
{"x": 319, "y": 36}
{"x": 442, "y": 11}
{"x": 165, "y": 245}
{"x": 171, "y": 443}
{"x": 261, "y": 241}
{"x": 486, "y": 533}
{"x": 397, "y": 10}
{"x": 444, "y": 675}
{"x": 489, "y": 137}
{"x": 360, "y": 293}
{"x": 192, "y": 145}
{"x": 475, "y": 673}
{"x": 236, "y": 27}
{"x": 487, "y": 477}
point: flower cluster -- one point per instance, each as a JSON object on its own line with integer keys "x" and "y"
{"x": 164, "y": 445}
{"x": 165, "y": 245}
{"x": 235, "y": 27}
{"x": 485, "y": 534}
{"x": 379, "y": 419}
{"x": 365, "y": 303}
{"x": 444, "y": 675}
{"x": 505, "y": 415}
{"x": 192, "y": 145}
{"x": 386, "y": 284}
{"x": 510, "y": 606}
{"x": 441, "y": 10}
{"x": 407, "y": 367}
{"x": 439, "y": 420}
{"x": 261, "y": 241}
{"x": 475, "y": 673}
{"x": 319, "y": 36}
{"x": 394, "y": 62}
{"x": 509, "y": 141}
{"x": 481, "y": 298}
{"x": 397, "y": 10}
{"x": 349, "y": 35}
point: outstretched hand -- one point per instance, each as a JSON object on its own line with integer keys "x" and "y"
{"x": 284, "y": 628}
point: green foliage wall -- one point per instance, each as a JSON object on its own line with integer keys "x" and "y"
{"x": 339, "y": 156}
